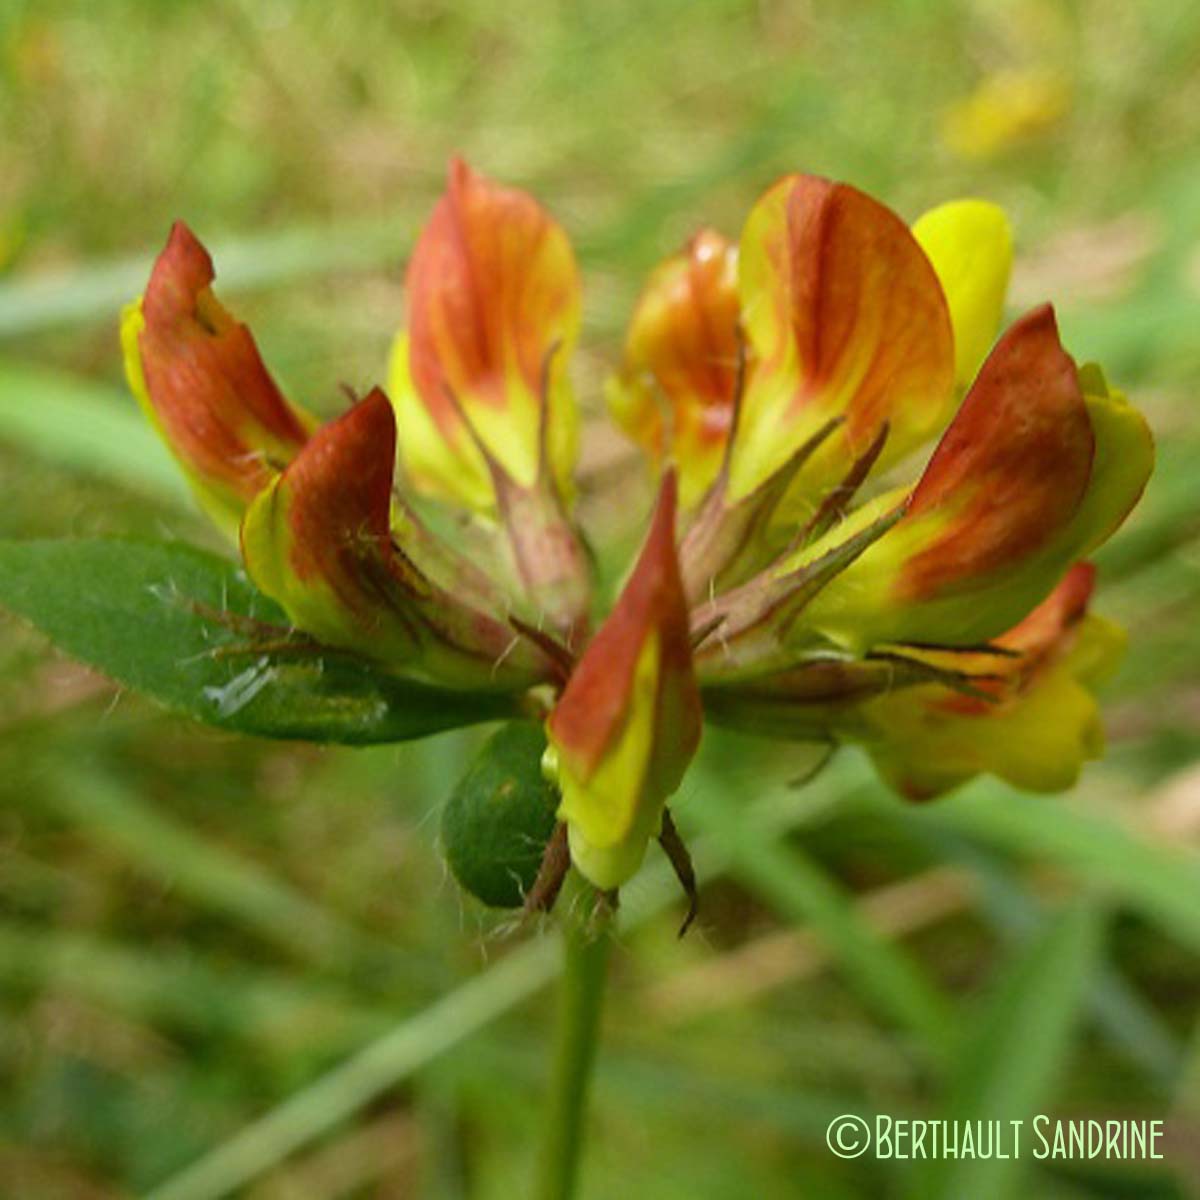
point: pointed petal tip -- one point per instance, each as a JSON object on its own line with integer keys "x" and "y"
{"x": 668, "y": 498}
{"x": 459, "y": 174}
{"x": 657, "y": 566}
{"x": 1026, "y": 399}
{"x": 198, "y": 374}
{"x": 181, "y": 235}
{"x": 378, "y": 396}
{"x": 342, "y": 477}
{"x": 182, "y": 270}
{"x": 360, "y": 445}
{"x": 1041, "y": 317}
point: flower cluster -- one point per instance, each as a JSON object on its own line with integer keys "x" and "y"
{"x": 806, "y": 573}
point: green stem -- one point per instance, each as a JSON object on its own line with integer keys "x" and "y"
{"x": 586, "y": 943}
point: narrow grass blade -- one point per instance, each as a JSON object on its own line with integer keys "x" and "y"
{"x": 96, "y": 291}
{"x": 1158, "y": 880}
{"x": 85, "y": 426}
{"x": 211, "y": 876}
{"x": 268, "y": 1011}
{"x": 1007, "y": 1070}
{"x": 1127, "y": 1021}
{"x": 801, "y": 891}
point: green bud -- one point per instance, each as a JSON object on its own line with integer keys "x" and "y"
{"x": 500, "y": 816}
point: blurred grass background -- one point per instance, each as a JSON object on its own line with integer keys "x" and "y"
{"x": 233, "y": 968}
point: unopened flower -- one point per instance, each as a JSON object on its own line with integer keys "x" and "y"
{"x": 319, "y": 540}
{"x": 628, "y": 722}
{"x": 479, "y": 378}
{"x": 851, "y": 355}
{"x": 676, "y": 387}
{"x": 1020, "y": 485}
{"x": 198, "y": 376}
{"x": 801, "y": 577}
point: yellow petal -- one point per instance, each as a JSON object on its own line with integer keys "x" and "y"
{"x": 1121, "y": 466}
{"x": 1041, "y": 723}
{"x": 609, "y": 824}
{"x": 436, "y": 465}
{"x": 969, "y": 243}
{"x": 1039, "y": 742}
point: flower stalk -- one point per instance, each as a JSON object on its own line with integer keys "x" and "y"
{"x": 587, "y": 938}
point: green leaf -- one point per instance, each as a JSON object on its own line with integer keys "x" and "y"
{"x": 130, "y": 609}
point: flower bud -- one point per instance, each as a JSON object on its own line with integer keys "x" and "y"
{"x": 1031, "y": 476}
{"x": 484, "y": 408}
{"x": 493, "y": 313}
{"x": 629, "y": 719}
{"x": 500, "y": 816}
{"x": 198, "y": 376}
{"x": 674, "y": 394}
{"x": 318, "y": 540}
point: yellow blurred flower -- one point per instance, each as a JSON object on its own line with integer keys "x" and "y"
{"x": 1005, "y": 109}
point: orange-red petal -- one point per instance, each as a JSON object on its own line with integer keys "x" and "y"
{"x": 629, "y": 719}
{"x": 996, "y": 518}
{"x": 218, "y": 408}
{"x": 1034, "y": 642}
{"x": 675, "y": 390}
{"x": 594, "y": 706}
{"x": 1041, "y": 630}
{"x": 846, "y": 318}
{"x": 493, "y": 312}
{"x": 1012, "y": 468}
